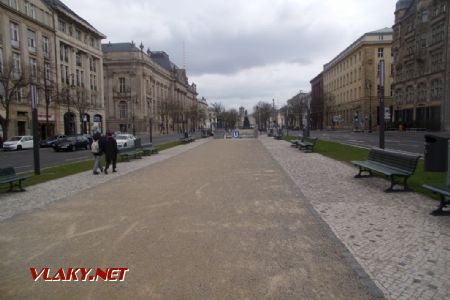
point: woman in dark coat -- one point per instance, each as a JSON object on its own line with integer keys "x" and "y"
{"x": 110, "y": 152}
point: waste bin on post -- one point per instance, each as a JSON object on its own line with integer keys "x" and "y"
{"x": 436, "y": 156}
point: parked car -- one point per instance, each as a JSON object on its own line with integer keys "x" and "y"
{"x": 19, "y": 142}
{"x": 125, "y": 140}
{"x": 71, "y": 143}
{"x": 49, "y": 142}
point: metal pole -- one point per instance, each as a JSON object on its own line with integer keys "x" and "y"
{"x": 37, "y": 167}
{"x": 382, "y": 104}
{"x": 151, "y": 131}
{"x": 370, "y": 109}
{"x": 273, "y": 112}
{"x": 287, "y": 119}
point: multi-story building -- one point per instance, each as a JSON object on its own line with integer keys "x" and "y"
{"x": 317, "y": 99}
{"x": 143, "y": 88}
{"x": 421, "y": 87}
{"x": 46, "y": 37}
{"x": 79, "y": 72}
{"x": 351, "y": 81}
{"x": 26, "y": 56}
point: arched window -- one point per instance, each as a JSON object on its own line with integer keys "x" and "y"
{"x": 123, "y": 110}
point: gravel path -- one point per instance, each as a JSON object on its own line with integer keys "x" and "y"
{"x": 392, "y": 235}
{"x": 222, "y": 221}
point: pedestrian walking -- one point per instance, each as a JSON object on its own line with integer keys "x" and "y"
{"x": 111, "y": 151}
{"x": 97, "y": 151}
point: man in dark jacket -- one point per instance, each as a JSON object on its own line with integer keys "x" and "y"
{"x": 111, "y": 150}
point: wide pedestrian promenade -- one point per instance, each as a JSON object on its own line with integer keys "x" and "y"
{"x": 221, "y": 220}
{"x": 404, "y": 249}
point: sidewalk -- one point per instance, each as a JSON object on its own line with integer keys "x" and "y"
{"x": 404, "y": 249}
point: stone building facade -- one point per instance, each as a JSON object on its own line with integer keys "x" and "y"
{"x": 26, "y": 49}
{"x": 143, "y": 88}
{"x": 350, "y": 82}
{"x": 420, "y": 46}
{"x": 46, "y": 37}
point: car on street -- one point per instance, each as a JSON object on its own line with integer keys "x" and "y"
{"x": 71, "y": 143}
{"x": 125, "y": 140}
{"x": 49, "y": 142}
{"x": 19, "y": 142}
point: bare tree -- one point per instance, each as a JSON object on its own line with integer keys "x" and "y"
{"x": 262, "y": 112}
{"x": 81, "y": 102}
{"x": 13, "y": 78}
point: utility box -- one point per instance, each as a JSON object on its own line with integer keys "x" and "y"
{"x": 436, "y": 153}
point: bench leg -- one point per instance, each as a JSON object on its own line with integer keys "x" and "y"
{"x": 359, "y": 175}
{"x": 394, "y": 183}
{"x": 440, "y": 210}
{"x": 18, "y": 185}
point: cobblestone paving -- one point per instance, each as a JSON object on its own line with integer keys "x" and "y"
{"x": 38, "y": 196}
{"x": 402, "y": 248}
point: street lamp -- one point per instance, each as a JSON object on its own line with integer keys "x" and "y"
{"x": 369, "y": 86}
{"x": 150, "y": 119}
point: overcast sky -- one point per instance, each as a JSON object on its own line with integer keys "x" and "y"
{"x": 239, "y": 52}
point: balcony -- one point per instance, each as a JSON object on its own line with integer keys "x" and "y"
{"x": 122, "y": 92}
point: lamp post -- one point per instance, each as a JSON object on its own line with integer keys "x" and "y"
{"x": 381, "y": 104}
{"x": 33, "y": 94}
{"x": 150, "y": 119}
{"x": 369, "y": 86}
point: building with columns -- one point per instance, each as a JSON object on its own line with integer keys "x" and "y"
{"x": 351, "y": 80}
{"x": 146, "y": 88}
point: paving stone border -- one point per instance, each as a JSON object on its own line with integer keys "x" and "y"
{"x": 403, "y": 249}
{"x": 40, "y": 195}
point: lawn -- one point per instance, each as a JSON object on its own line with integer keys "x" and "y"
{"x": 347, "y": 153}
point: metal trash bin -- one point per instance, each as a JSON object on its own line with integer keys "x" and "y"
{"x": 436, "y": 153}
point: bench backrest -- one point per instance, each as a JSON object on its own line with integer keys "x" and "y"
{"x": 7, "y": 171}
{"x": 403, "y": 161}
{"x": 309, "y": 140}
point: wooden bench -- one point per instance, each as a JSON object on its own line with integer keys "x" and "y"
{"x": 148, "y": 150}
{"x": 294, "y": 143}
{"x": 307, "y": 144}
{"x": 278, "y": 136}
{"x": 187, "y": 140}
{"x": 127, "y": 154}
{"x": 389, "y": 163}
{"x": 443, "y": 192}
{"x": 8, "y": 175}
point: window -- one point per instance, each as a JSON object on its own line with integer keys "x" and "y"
{"x": 437, "y": 33}
{"x": 78, "y": 78}
{"x": 92, "y": 65}
{"x": 122, "y": 85}
{"x": 380, "y": 37}
{"x": 14, "y": 4}
{"x": 91, "y": 41}
{"x": 380, "y": 52}
{"x": 123, "y": 110}
{"x": 15, "y": 37}
{"x": 18, "y": 95}
{"x": 436, "y": 61}
{"x": 45, "y": 46}
{"x": 82, "y": 78}
{"x": 62, "y": 26}
{"x": 16, "y": 64}
{"x": 79, "y": 59}
{"x": 1, "y": 60}
{"x": 424, "y": 16}
{"x": 436, "y": 89}
{"x": 47, "y": 71}
{"x": 63, "y": 74}
{"x": 78, "y": 34}
{"x": 422, "y": 91}
{"x": 64, "y": 53}
{"x": 30, "y": 9}
{"x": 31, "y": 41}
{"x": 33, "y": 67}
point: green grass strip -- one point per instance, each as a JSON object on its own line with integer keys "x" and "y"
{"x": 347, "y": 153}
